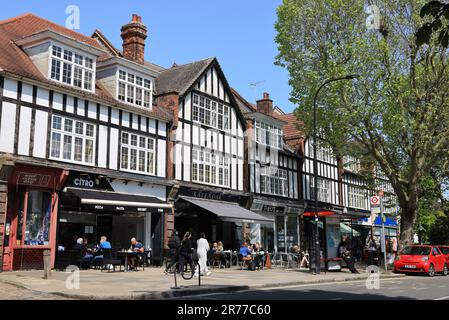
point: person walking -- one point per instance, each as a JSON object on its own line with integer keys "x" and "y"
{"x": 202, "y": 247}
{"x": 174, "y": 245}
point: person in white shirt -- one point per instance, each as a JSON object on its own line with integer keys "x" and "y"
{"x": 202, "y": 246}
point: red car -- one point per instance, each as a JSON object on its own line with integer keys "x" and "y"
{"x": 421, "y": 259}
{"x": 445, "y": 250}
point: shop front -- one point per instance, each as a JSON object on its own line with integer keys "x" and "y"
{"x": 284, "y": 232}
{"x": 221, "y": 216}
{"x": 93, "y": 206}
{"x": 31, "y": 216}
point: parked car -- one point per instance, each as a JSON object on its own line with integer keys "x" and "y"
{"x": 421, "y": 259}
{"x": 445, "y": 251}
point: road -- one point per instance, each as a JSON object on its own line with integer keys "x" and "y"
{"x": 410, "y": 287}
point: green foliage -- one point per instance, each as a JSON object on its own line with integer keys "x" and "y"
{"x": 396, "y": 113}
{"x": 439, "y": 13}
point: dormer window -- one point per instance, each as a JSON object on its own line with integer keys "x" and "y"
{"x": 72, "y": 68}
{"x": 134, "y": 89}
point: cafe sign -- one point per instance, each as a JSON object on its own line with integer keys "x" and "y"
{"x": 88, "y": 181}
{"x": 273, "y": 209}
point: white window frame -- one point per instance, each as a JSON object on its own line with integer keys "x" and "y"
{"x": 85, "y": 69}
{"x": 356, "y": 197}
{"x": 148, "y": 170}
{"x": 275, "y": 134}
{"x": 323, "y": 154}
{"x": 324, "y": 190}
{"x": 213, "y": 168}
{"x": 135, "y": 87}
{"x": 206, "y": 111}
{"x": 351, "y": 163}
{"x": 74, "y": 135}
{"x": 274, "y": 181}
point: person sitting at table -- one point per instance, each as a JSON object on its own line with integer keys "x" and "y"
{"x": 104, "y": 244}
{"x": 259, "y": 254}
{"x": 86, "y": 256}
{"x": 245, "y": 252}
{"x": 295, "y": 249}
{"x": 304, "y": 260}
{"x": 220, "y": 252}
{"x": 135, "y": 249}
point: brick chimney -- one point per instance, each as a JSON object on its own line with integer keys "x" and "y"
{"x": 134, "y": 35}
{"x": 265, "y": 105}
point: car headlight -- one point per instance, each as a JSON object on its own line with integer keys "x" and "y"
{"x": 425, "y": 259}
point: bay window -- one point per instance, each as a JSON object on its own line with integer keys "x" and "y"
{"x": 137, "y": 153}
{"x": 71, "y": 68}
{"x": 72, "y": 140}
{"x": 273, "y": 181}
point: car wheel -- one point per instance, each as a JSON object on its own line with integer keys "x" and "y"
{"x": 445, "y": 271}
{"x": 431, "y": 271}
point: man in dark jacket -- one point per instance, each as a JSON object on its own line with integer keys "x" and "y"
{"x": 173, "y": 244}
{"x": 344, "y": 252}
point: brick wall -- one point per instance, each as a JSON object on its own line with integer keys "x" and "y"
{"x": 3, "y": 201}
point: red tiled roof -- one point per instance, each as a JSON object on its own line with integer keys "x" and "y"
{"x": 291, "y": 130}
{"x": 15, "y": 61}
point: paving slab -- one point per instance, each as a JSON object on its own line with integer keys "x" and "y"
{"x": 154, "y": 284}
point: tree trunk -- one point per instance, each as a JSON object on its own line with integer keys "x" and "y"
{"x": 409, "y": 213}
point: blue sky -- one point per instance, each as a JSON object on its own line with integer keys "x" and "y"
{"x": 239, "y": 33}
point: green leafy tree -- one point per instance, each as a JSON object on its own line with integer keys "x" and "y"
{"x": 396, "y": 111}
{"x": 439, "y": 13}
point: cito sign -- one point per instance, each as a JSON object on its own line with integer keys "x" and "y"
{"x": 88, "y": 181}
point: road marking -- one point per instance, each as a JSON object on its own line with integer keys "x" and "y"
{"x": 442, "y": 298}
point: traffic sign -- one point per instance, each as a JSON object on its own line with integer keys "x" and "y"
{"x": 375, "y": 201}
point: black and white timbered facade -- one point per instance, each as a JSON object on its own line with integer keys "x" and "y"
{"x": 85, "y": 146}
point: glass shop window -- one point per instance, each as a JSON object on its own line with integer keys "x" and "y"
{"x": 38, "y": 216}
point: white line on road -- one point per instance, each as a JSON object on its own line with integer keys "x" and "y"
{"x": 442, "y": 298}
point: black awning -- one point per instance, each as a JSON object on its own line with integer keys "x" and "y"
{"x": 228, "y": 211}
{"x": 118, "y": 202}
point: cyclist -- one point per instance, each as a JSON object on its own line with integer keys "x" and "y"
{"x": 186, "y": 250}
{"x": 173, "y": 244}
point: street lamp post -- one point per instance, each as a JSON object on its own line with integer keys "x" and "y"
{"x": 315, "y": 168}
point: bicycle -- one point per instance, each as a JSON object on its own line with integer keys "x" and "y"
{"x": 188, "y": 270}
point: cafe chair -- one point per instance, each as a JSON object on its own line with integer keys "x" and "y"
{"x": 110, "y": 259}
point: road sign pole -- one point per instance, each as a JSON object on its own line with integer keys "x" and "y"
{"x": 383, "y": 237}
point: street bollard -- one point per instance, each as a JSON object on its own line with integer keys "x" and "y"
{"x": 47, "y": 264}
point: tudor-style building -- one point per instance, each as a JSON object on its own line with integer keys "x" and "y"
{"x": 207, "y": 152}
{"x": 82, "y": 145}
{"x": 343, "y": 195}
{"x": 273, "y": 176}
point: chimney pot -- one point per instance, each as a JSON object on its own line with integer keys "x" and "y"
{"x": 266, "y": 95}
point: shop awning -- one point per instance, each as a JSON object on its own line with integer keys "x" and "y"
{"x": 118, "y": 202}
{"x": 228, "y": 211}
{"x": 389, "y": 222}
{"x": 320, "y": 214}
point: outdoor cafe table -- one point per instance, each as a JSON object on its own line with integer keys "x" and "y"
{"x": 231, "y": 254}
{"x": 125, "y": 253}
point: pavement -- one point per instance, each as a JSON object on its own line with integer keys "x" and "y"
{"x": 154, "y": 284}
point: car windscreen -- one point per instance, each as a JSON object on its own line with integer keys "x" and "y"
{"x": 444, "y": 250}
{"x": 420, "y": 251}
